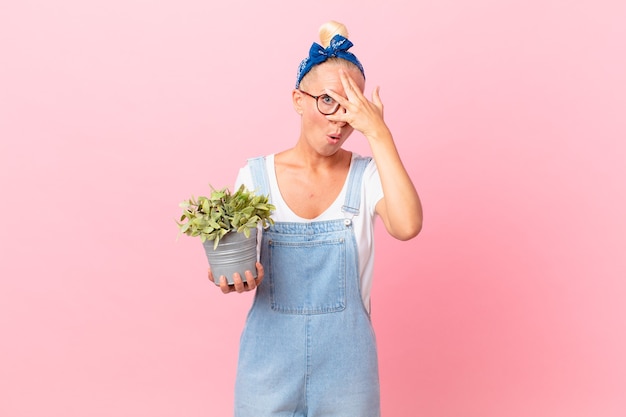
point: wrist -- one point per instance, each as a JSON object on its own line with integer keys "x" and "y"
{"x": 383, "y": 134}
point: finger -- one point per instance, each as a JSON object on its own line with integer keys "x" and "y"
{"x": 224, "y": 285}
{"x": 345, "y": 82}
{"x": 211, "y": 278}
{"x": 350, "y": 86}
{"x": 260, "y": 273}
{"x": 343, "y": 101}
{"x": 376, "y": 99}
{"x": 338, "y": 117}
{"x": 239, "y": 287}
{"x": 251, "y": 283}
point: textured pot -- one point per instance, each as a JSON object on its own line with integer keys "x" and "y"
{"x": 234, "y": 253}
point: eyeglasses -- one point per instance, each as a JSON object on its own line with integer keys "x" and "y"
{"x": 325, "y": 103}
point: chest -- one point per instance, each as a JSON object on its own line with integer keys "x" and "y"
{"x": 308, "y": 195}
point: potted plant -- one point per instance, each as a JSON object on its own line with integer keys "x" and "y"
{"x": 227, "y": 224}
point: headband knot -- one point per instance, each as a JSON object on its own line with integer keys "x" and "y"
{"x": 338, "y": 48}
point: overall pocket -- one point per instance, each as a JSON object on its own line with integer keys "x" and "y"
{"x": 307, "y": 277}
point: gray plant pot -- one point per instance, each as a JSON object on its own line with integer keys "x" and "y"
{"x": 234, "y": 253}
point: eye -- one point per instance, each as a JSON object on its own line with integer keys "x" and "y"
{"x": 328, "y": 100}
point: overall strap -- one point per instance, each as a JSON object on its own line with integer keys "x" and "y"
{"x": 259, "y": 176}
{"x": 353, "y": 195}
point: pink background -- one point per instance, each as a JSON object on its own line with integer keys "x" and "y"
{"x": 510, "y": 116}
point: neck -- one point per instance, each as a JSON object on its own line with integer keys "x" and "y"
{"x": 309, "y": 158}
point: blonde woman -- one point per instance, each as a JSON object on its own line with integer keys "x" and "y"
{"x": 308, "y": 347}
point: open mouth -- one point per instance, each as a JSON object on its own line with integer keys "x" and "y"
{"x": 333, "y": 140}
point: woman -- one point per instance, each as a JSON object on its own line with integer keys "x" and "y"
{"x": 308, "y": 348}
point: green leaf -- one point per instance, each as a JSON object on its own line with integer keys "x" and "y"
{"x": 213, "y": 217}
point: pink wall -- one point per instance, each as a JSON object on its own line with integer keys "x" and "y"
{"x": 510, "y": 116}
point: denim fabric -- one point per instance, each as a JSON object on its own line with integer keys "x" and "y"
{"x": 308, "y": 348}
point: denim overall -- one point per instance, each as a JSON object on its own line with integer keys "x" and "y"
{"x": 308, "y": 348}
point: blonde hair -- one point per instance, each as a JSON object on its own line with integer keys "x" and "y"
{"x": 330, "y": 29}
{"x": 326, "y": 33}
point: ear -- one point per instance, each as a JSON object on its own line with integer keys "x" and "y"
{"x": 296, "y": 97}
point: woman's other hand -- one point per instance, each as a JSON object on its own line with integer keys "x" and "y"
{"x": 240, "y": 285}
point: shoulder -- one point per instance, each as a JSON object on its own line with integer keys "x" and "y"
{"x": 255, "y": 167}
{"x": 262, "y": 159}
{"x": 370, "y": 183}
{"x": 370, "y": 170}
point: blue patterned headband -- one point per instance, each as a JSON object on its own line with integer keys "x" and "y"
{"x": 317, "y": 54}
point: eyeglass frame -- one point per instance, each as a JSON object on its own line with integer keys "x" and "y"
{"x": 317, "y": 104}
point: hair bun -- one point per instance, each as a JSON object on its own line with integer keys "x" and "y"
{"x": 330, "y": 29}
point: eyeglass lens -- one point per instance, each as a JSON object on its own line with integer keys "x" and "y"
{"x": 326, "y": 104}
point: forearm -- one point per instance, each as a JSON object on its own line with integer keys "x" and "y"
{"x": 400, "y": 209}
